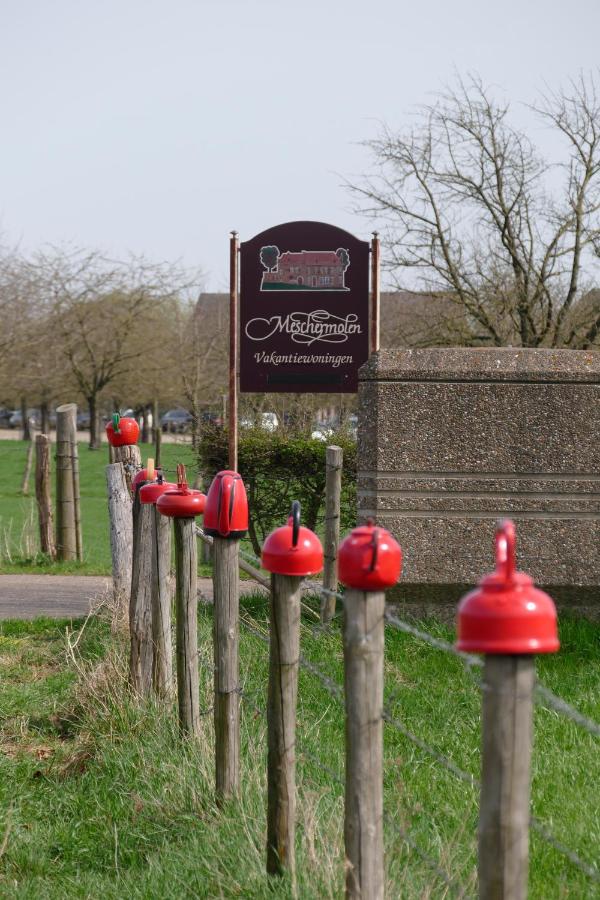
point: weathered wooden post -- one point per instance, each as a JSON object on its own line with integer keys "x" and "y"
{"x": 121, "y": 533}
{"x": 363, "y": 628}
{"x": 333, "y": 489}
{"x": 370, "y": 560}
{"x": 509, "y": 620}
{"x": 42, "y": 494}
{"x": 140, "y": 602}
{"x": 290, "y": 553}
{"x": 27, "y": 472}
{"x": 162, "y": 664}
{"x": 66, "y": 520}
{"x": 183, "y": 505}
{"x": 226, "y": 520}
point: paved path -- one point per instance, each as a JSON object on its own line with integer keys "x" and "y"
{"x": 67, "y": 596}
{"x": 57, "y": 596}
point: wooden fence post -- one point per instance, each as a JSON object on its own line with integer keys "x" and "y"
{"x": 508, "y": 683}
{"x": 140, "y": 601}
{"x": 162, "y": 671}
{"x": 27, "y": 472}
{"x": 121, "y": 532}
{"x": 284, "y": 652}
{"x": 42, "y": 494}
{"x": 131, "y": 458}
{"x": 226, "y": 649}
{"x": 66, "y": 523}
{"x": 76, "y": 487}
{"x": 333, "y": 490}
{"x": 363, "y": 633}
{"x": 186, "y": 600}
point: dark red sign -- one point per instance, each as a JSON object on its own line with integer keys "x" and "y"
{"x": 304, "y": 309}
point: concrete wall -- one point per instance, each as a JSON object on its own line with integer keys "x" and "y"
{"x": 452, "y": 439}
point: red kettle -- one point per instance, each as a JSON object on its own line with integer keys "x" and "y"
{"x": 292, "y": 549}
{"x": 506, "y": 614}
{"x": 226, "y": 510}
{"x": 369, "y": 559}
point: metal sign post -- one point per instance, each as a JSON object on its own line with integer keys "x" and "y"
{"x": 232, "y": 417}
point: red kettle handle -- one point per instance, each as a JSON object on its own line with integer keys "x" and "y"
{"x": 226, "y": 500}
{"x": 295, "y": 517}
{"x": 375, "y": 546}
{"x": 506, "y": 551}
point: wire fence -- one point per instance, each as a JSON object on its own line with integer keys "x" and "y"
{"x": 473, "y": 664}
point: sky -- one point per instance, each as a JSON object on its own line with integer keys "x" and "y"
{"x": 157, "y": 127}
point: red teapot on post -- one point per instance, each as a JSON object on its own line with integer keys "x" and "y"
{"x": 369, "y": 559}
{"x": 122, "y": 432}
{"x": 182, "y": 502}
{"x": 292, "y": 549}
{"x": 506, "y": 614}
{"x": 226, "y": 511}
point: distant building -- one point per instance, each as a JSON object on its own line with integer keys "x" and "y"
{"x": 322, "y": 269}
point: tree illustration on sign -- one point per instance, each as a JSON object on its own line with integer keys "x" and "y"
{"x": 344, "y": 258}
{"x": 269, "y": 256}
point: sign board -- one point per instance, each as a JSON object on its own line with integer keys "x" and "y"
{"x": 304, "y": 309}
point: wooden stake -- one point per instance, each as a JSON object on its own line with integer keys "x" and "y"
{"x": 162, "y": 671}
{"x": 131, "y": 458}
{"x": 284, "y": 651}
{"x": 363, "y": 632}
{"x": 27, "y": 472}
{"x": 66, "y": 526}
{"x": 140, "y": 602}
{"x": 42, "y": 494}
{"x": 157, "y": 440}
{"x": 76, "y": 487}
{"x": 508, "y": 683}
{"x": 186, "y": 601}
{"x": 121, "y": 533}
{"x": 226, "y": 651}
{"x": 333, "y": 489}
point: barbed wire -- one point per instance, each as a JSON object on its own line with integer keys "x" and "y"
{"x": 452, "y": 883}
{"x": 590, "y": 870}
{"x": 547, "y": 697}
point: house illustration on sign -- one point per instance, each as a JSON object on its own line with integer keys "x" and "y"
{"x": 306, "y": 270}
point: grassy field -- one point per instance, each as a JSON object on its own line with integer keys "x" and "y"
{"x": 100, "y": 797}
{"x": 19, "y": 545}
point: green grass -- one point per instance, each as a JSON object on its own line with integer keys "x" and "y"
{"x": 99, "y": 797}
{"x": 19, "y": 545}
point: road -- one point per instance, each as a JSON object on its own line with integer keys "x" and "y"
{"x": 68, "y": 596}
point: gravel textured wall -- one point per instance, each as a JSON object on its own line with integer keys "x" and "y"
{"x": 452, "y": 439}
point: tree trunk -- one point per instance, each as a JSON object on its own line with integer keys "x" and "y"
{"x": 45, "y": 421}
{"x": 145, "y": 438}
{"x": 25, "y": 420}
{"x": 94, "y": 424}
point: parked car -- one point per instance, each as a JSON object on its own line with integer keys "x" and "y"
{"x": 322, "y": 433}
{"x": 176, "y": 420}
{"x": 266, "y": 420}
{"x": 16, "y": 420}
{"x": 5, "y": 415}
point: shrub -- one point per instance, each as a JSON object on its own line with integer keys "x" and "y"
{"x": 278, "y": 467}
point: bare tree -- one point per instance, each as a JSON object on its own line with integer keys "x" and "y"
{"x": 470, "y": 211}
{"x": 105, "y": 315}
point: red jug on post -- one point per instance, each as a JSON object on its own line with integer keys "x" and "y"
{"x": 226, "y": 511}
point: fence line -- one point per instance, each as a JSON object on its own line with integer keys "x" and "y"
{"x": 452, "y": 883}
{"x": 335, "y": 689}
